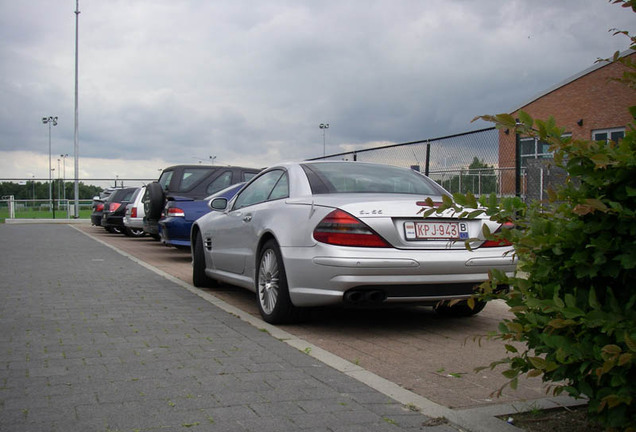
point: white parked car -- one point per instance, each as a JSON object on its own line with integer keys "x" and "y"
{"x": 134, "y": 217}
{"x": 329, "y": 233}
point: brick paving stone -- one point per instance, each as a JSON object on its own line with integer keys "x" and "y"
{"x": 93, "y": 341}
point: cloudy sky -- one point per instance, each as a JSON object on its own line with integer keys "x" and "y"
{"x": 163, "y": 82}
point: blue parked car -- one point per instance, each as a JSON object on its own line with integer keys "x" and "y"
{"x": 180, "y": 213}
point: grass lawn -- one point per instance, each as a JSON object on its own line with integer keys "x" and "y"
{"x": 35, "y": 213}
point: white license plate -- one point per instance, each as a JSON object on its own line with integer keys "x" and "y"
{"x": 435, "y": 230}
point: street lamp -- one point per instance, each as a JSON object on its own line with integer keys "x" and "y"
{"x": 59, "y": 173}
{"x": 64, "y": 156}
{"x": 324, "y": 127}
{"x": 51, "y": 121}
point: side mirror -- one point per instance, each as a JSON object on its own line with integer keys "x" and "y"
{"x": 218, "y": 204}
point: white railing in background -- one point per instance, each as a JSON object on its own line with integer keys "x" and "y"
{"x": 11, "y": 208}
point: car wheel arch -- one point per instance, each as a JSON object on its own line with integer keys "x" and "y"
{"x": 259, "y": 249}
{"x": 194, "y": 232}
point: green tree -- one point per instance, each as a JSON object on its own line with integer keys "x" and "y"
{"x": 478, "y": 178}
{"x": 574, "y": 296}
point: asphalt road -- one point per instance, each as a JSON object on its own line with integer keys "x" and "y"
{"x": 432, "y": 356}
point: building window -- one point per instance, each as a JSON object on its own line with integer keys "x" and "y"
{"x": 606, "y": 135}
{"x": 534, "y": 148}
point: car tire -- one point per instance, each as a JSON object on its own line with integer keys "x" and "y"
{"x": 199, "y": 278}
{"x": 461, "y": 309}
{"x": 113, "y": 229}
{"x": 134, "y": 232}
{"x": 154, "y": 200}
{"x": 272, "y": 292}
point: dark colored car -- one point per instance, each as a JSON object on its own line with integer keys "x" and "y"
{"x": 189, "y": 181}
{"x": 115, "y": 210}
{"x": 180, "y": 213}
{"x": 98, "y": 205}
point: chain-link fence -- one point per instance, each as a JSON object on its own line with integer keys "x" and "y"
{"x": 467, "y": 162}
{"x": 473, "y": 162}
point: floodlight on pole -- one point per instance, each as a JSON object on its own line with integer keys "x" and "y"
{"x": 324, "y": 127}
{"x": 64, "y": 156}
{"x": 76, "y": 119}
{"x": 51, "y": 121}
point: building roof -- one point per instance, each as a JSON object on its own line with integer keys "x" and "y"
{"x": 596, "y": 66}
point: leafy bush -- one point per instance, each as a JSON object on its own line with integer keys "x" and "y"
{"x": 574, "y": 295}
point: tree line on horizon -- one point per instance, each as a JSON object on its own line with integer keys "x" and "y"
{"x": 40, "y": 190}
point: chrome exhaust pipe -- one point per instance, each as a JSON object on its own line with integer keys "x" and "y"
{"x": 354, "y": 296}
{"x": 375, "y": 296}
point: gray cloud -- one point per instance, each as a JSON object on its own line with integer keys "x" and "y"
{"x": 249, "y": 82}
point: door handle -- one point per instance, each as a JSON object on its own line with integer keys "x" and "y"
{"x": 247, "y": 218}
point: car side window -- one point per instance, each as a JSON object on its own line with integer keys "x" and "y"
{"x": 247, "y": 176}
{"x": 192, "y": 176}
{"x": 129, "y": 195}
{"x": 260, "y": 190}
{"x": 219, "y": 183}
{"x": 281, "y": 190}
{"x": 165, "y": 178}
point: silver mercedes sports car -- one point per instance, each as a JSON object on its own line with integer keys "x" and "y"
{"x": 326, "y": 233}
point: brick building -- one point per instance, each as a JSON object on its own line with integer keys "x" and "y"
{"x": 588, "y": 105}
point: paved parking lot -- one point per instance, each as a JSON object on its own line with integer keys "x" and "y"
{"x": 92, "y": 341}
{"x": 105, "y": 333}
{"x": 432, "y": 356}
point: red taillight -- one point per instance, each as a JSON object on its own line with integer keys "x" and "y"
{"x": 341, "y": 229}
{"x": 175, "y": 212}
{"x": 99, "y": 207}
{"x": 113, "y": 207}
{"x": 133, "y": 212}
{"x": 502, "y": 242}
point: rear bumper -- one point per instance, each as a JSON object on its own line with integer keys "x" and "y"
{"x": 424, "y": 277}
{"x": 112, "y": 221}
{"x": 175, "y": 232}
{"x": 134, "y": 222}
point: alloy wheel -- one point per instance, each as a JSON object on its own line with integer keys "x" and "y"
{"x": 268, "y": 287}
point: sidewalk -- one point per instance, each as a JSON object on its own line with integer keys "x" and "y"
{"x": 93, "y": 341}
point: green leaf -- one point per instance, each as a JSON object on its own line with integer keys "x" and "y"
{"x": 510, "y": 373}
{"x": 510, "y": 348}
{"x": 473, "y": 214}
{"x": 514, "y": 383}
{"x": 592, "y": 300}
{"x": 631, "y": 343}
{"x": 537, "y": 362}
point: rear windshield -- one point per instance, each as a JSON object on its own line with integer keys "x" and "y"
{"x": 338, "y": 177}
{"x": 192, "y": 176}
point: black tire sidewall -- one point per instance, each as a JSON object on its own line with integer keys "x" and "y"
{"x": 199, "y": 278}
{"x": 284, "y": 311}
{"x": 154, "y": 199}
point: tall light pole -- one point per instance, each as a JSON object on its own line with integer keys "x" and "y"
{"x": 51, "y": 121}
{"x": 64, "y": 156}
{"x": 59, "y": 191}
{"x": 324, "y": 127}
{"x": 76, "y": 134}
